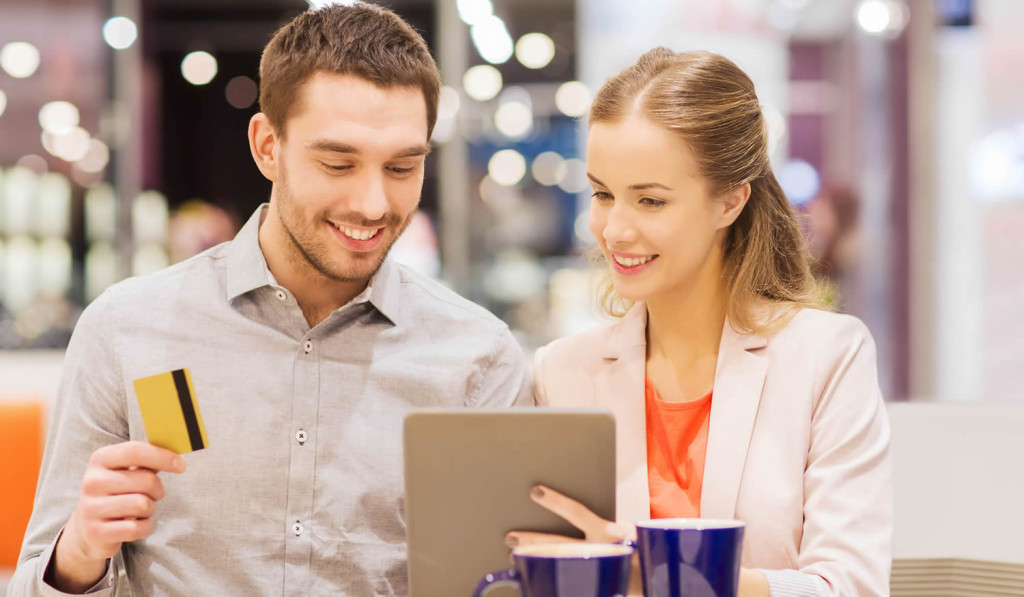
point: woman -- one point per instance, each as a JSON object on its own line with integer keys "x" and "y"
{"x": 735, "y": 394}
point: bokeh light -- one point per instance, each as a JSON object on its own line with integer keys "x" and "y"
{"x": 507, "y": 167}
{"x": 799, "y": 180}
{"x": 572, "y": 176}
{"x": 474, "y": 11}
{"x": 34, "y": 163}
{"x": 482, "y": 82}
{"x": 573, "y": 98}
{"x": 492, "y": 40}
{"x": 882, "y": 17}
{"x": 95, "y": 158}
{"x": 120, "y": 32}
{"x": 70, "y": 146}
{"x": 241, "y": 92}
{"x": 20, "y": 59}
{"x": 535, "y": 50}
{"x": 545, "y": 168}
{"x": 514, "y": 119}
{"x": 199, "y": 68}
{"x": 59, "y": 117}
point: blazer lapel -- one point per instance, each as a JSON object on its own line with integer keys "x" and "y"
{"x": 619, "y": 387}
{"x": 739, "y": 379}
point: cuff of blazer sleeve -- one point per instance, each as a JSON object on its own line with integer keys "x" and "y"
{"x": 103, "y": 587}
{"x": 793, "y": 583}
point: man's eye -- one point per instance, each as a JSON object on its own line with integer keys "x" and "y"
{"x": 337, "y": 168}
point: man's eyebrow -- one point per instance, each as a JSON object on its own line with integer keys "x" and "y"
{"x": 335, "y": 146}
{"x": 339, "y": 147}
{"x": 414, "y": 151}
{"x": 633, "y": 187}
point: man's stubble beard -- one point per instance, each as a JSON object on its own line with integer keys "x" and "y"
{"x": 316, "y": 259}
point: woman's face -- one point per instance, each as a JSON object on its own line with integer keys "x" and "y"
{"x": 652, "y": 215}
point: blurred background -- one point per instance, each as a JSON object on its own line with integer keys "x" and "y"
{"x": 897, "y": 131}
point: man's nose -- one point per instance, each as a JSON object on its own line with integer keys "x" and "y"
{"x": 371, "y": 202}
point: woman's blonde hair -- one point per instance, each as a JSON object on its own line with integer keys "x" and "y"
{"x": 711, "y": 105}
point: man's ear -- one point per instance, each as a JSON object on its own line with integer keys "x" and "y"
{"x": 263, "y": 143}
{"x": 733, "y": 203}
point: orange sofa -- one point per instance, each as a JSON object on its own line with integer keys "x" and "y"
{"x": 21, "y": 453}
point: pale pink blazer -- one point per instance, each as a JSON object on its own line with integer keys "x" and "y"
{"x": 798, "y": 445}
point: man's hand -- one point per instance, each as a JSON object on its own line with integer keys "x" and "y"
{"x": 118, "y": 499}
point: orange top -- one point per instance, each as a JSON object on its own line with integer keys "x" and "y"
{"x": 677, "y": 439}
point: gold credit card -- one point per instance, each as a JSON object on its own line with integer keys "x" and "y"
{"x": 170, "y": 412}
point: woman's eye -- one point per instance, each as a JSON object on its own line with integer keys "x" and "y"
{"x": 601, "y": 195}
{"x": 651, "y": 202}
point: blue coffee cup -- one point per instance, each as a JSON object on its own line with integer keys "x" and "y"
{"x": 690, "y": 557}
{"x": 565, "y": 570}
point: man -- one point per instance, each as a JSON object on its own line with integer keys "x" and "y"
{"x": 306, "y": 347}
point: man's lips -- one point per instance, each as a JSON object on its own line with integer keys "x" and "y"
{"x": 358, "y": 239}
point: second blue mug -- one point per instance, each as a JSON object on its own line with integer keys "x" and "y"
{"x": 690, "y": 557}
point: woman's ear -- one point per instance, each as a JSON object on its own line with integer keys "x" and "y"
{"x": 733, "y": 203}
{"x": 263, "y": 145}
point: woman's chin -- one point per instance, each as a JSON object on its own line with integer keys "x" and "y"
{"x": 630, "y": 294}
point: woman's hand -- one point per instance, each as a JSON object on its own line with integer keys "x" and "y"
{"x": 595, "y": 528}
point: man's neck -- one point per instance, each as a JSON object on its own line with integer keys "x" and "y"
{"x": 317, "y": 295}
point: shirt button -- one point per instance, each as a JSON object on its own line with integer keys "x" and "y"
{"x": 300, "y": 436}
{"x": 308, "y": 347}
{"x": 281, "y": 296}
{"x": 297, "y": 528}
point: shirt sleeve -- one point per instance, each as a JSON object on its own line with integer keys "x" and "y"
{"x": 848, "y": 500}
{"x": 88, "y": 414}
{"x": 504, "y": 377}
{"x": 793, "y": 583}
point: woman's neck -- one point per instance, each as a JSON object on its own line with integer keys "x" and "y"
{"x": 686, "y": 324}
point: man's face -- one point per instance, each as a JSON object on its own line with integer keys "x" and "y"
{"x": 350, "y": 173}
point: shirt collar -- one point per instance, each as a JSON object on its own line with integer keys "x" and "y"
{"x": 247, "y": 270}
{"x": 246, "y": 267}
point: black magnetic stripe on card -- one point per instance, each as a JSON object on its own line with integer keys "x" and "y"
{"x": 187, "y": 409}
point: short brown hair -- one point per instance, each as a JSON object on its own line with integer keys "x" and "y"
{"x": 710, "y": 104}
{"x": 364, "y": 40}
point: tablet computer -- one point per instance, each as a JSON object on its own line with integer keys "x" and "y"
{"x": 468, "y": 475}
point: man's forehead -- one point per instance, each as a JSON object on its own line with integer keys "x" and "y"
{"x": 358, "y": 98}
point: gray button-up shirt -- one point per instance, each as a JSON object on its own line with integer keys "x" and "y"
{"x": 300, "y": 491}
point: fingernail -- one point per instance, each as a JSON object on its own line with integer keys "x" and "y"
{"x": 179, "y": 464}
{"x": 511, "y": 541}
{"x": 537, "y": 492}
